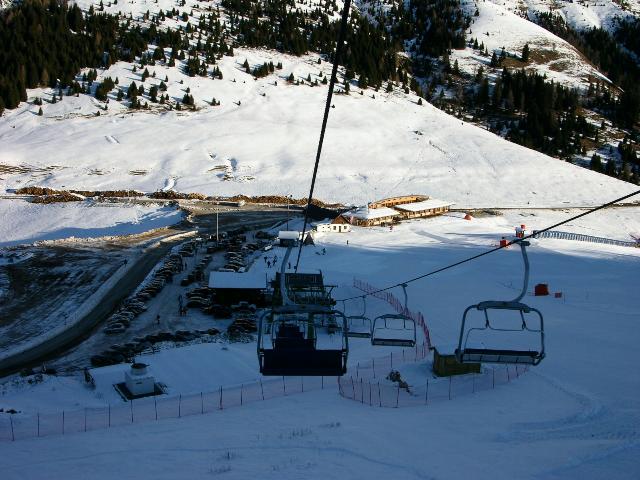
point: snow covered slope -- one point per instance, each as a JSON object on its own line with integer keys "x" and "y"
{"x": 25, "y": 222}
{"x": 584, "y": 14}
{"x": 501, "y": 25}
{"x": 262, "y": 140}
{"x": 573, "y": 416}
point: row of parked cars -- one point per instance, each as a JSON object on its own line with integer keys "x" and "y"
{"x": 127, "y": 351}
{"x": 120, "y": 321}
{"x": 244, "y": 319}
{"x": 198, "y": 272}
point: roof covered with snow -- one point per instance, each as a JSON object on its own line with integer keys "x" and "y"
{"x": 425, "y": 205}
{"x": 245, "y": 280}
{"x": 365, "y": 213}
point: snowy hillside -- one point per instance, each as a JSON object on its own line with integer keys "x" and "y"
{"x": 498, "y": 27}
{"x": 262, "y": 140}
{"x": 584, "y": 14}
{"x": 30, "y": 222}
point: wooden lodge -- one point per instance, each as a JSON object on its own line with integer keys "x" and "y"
{"x": 392, "y": 210}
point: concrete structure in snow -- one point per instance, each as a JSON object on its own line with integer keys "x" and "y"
{"x": 139, "y": 381}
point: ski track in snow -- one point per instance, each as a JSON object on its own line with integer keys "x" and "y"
{"x": 592, "y": 421}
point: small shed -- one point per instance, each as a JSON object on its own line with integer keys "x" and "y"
{"x": 446, "y": 365}
{"x": 288, "y": 238}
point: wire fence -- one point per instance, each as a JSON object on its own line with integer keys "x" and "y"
{"x": 583, "y": 238}
{"x": 398, "y": 306}
{"x": 16, "y": 427}
{"x": 377, "y": 390}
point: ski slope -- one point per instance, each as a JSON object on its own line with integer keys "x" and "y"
{"x": 574, "y": 416}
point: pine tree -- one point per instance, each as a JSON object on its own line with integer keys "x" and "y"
{"x": 596, "y": 163}
{"x": 40, "y": 113}
{"x": 525, "y": 52}
{"x": 132, "y": 91}
{"x": 610, "y": 168}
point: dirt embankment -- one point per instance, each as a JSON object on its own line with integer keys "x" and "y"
{"x": 50, "y": 195}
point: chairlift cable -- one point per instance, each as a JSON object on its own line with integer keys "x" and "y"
{"x": 334, "y": 71}
{"x": 513, "y": 242}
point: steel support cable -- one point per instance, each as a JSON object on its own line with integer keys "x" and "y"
{"x": 516, "y": 241}
{"x": 334, "y": 72}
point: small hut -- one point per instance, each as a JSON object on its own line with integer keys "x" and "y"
{"x": 446, "y": 365}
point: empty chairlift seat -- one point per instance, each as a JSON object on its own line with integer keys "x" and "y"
{"x": 393, "y": 329}
{"x": 359, "y": 326}
{"x": 507, "y": 332}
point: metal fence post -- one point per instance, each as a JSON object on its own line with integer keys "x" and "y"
{"x": 426, "y": 394}
{"x": 109, "y": 421}
{"x": 131, "y": 405}
{"x": 284, "y": 386}
{"x": 201, "y": 403}
{"x": 38, "y": 424}
{"x": 370, "y": 399}
{"x": 155, "y": 406}
{"x": 361, "y": 391}
{"x": 493, "y": 381}
{"x": 261, "y": 389}
{"x": 353, "y": 390}
{"x": 63, "y": 422}
{"x": 220, "y": 404}
{"x": 13, "y": 435}
{"x": 241, "y": 391}
{"x": 379, "y": 394}
{"x": 85, "y": 419}
{"x": 374, "y": 367}
{"x": 450, "y": 387}
{"x": 398, "y": 396}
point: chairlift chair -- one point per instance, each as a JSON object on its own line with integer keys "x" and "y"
{"x": 394, "y": 329}
{"x": 359, "y": 326}
{"x": 293, "y": 349}
{"x": 526, "y": 323}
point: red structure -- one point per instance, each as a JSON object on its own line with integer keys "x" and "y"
{"x": 541, "y": 290}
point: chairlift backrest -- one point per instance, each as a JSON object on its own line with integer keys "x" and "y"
{"x": 467, "y": 354}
